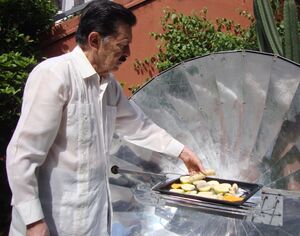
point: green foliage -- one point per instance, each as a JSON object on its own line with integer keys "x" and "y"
{"x": 14, "y": 69}
{"x": 277, "y": 35}
{"x": 21, "y": 24}
{"x": 186, "y": 37}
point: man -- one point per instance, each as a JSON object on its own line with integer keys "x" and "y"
{"x": 57, "y": 160}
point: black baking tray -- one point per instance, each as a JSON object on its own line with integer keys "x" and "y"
{"x": 250, "y": 190}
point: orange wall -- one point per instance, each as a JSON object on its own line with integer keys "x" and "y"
{"x": 148, "y": 13}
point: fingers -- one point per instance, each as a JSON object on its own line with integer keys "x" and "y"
{"x": 191, "y": 161}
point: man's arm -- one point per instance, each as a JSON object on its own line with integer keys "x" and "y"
{"x": 36, "y": 130}
{"x": 135, "y": 127}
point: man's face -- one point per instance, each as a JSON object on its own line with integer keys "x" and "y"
{"x": 114, "y": 50}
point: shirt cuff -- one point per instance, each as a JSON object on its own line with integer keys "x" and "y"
{"x": 174, "y": 148}
{"x": 30, "y": 211}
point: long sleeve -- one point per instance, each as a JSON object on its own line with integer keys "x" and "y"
{"x": 43, "y": 102}
{"x": 135, "y": 127}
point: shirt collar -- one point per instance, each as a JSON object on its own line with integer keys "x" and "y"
{"x": 85, "y": 68}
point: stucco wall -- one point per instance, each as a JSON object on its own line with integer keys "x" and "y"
{"x": 148, "y": 13}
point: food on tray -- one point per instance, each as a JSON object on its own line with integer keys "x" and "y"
{"x": 202, "y": 181}
{"x": 221, "y": 188}
{"x": 209, "y": 172}
{"x": 234, "y": 188}
{"x": 176, "y": 185}
{"x": 174, "y": 190}
{"x": 203, "y": 187}
{"x": 185, "y": 179}
{"x": 196, "y": 185}
{"x": 188, "y": 187}
{"x": 232, "y": 198}
{"x": 197, "y": 176}
{"x": 193, "y": 192}
{"x": 213, "y": 182}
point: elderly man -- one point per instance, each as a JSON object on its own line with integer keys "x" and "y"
{"x": 57, "y": 160}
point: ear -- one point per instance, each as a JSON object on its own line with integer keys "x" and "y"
{"x": 94, "y": 40}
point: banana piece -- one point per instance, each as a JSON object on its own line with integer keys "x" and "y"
{"x": 209, "y": 172}
{"x": 198, "y": 176}
{"x": 203, "y": 187}
{"x": 226, "y": 185}
{"x": 175, "y": 190}
{"x": 213, "y": 182}
{"x": 185, "y": 179}
{"x": 188, "y": 187}
{"x": 193, "y": 192}
{"x": 202, "y": 181}
{"x": 234, "y": 188}
{"x": 231, "y": 192}
{"x": 221, "y": 188}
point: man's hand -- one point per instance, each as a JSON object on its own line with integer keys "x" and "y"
{"x": 38, "y": 228}
{"x": 191, "y": 161}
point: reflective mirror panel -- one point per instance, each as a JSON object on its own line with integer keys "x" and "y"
{"x": 240, "y": 112}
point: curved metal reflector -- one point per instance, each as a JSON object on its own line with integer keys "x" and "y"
{"x": 240, "y": 112}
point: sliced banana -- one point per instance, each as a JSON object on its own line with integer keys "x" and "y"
{"x": 202, "y": 181}
{"x": 193, "y": 192}
{"x": 226, "y": 185}
{"x": 213, "y": 182}
{"x": 221, "y": 188}
{"x": 177, "y": 190}
{"x": 231, "y": 192}
{"x": 209, "y": 172}
{"x": 203, "y": 187}
{"x": 188, "y": 187}
{"x": 234, "y": 188}
{"x": 185, "y": 179}
{"x": 197, "y": 176}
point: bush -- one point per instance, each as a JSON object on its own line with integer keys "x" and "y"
{"x": 14, "y": 71}
{"x": 185, "y": 37}
{"x": 21, "y": 24}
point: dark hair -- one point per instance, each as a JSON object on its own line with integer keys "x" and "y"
{"x": 102, "y": 16}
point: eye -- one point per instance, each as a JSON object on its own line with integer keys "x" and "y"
{"x": 123, "y": 46}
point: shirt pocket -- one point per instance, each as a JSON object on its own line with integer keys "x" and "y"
{"x": 111, "y": 112}
{"x": 80, "y": 122}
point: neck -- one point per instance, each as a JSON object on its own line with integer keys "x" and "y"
{"x": 93, "y": 59}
